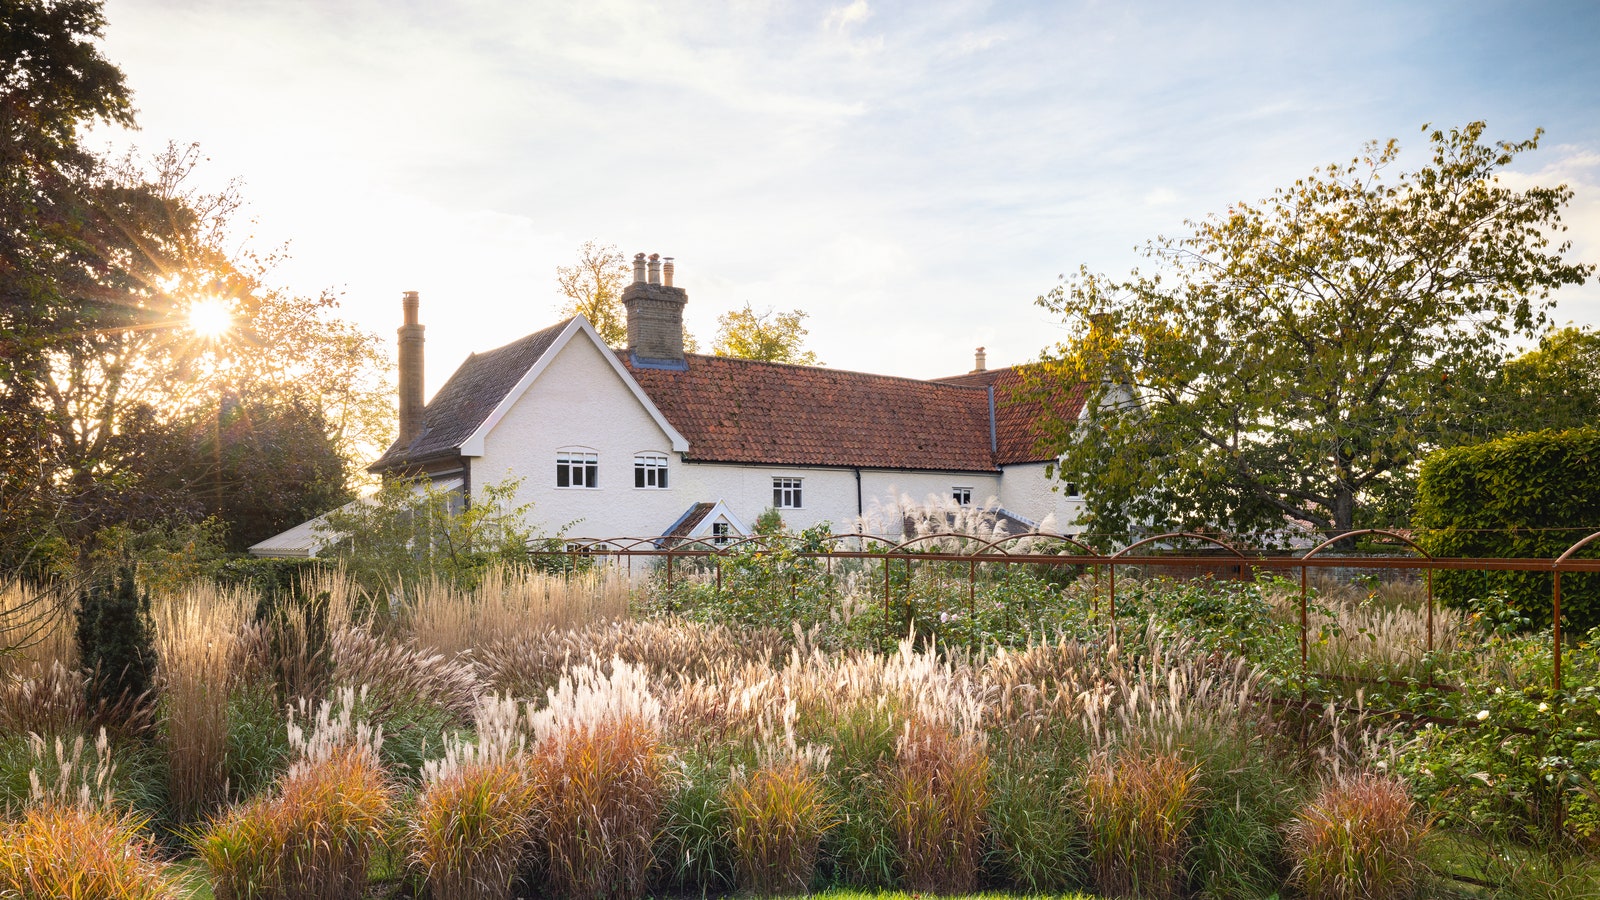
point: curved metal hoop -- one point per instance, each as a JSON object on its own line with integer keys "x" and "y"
{"x": 1561, "y": 560}
{"x": 1178, "y": 534}
{"x": 1359, "y": 532}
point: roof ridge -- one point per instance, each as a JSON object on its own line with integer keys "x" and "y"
{"x": 762, "y": 362}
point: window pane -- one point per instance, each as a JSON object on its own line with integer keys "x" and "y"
{"x": 590, "y": 473}
{"x": 661, "y": 476}
{"x": 638, "y": 476}
{"x": 562, "y": 474}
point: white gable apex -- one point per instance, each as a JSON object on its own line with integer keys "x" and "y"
{"x": 473, "y": 445}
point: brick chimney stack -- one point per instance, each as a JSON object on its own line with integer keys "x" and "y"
{"x": 655, "y": 315}
{"x": 410, "y": 370}
{"x": 980, "y": 362}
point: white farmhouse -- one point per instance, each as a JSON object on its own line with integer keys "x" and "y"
{"x": 650, "y": 440}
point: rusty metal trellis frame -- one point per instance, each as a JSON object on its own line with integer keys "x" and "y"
{"x": 975, "y": 551}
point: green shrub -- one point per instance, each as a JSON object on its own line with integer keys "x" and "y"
{"x": 1528, "y": 495}
{"x": 116, "y": 640}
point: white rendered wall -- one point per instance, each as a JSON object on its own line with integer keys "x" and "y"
{"x": 1025, "y": 490}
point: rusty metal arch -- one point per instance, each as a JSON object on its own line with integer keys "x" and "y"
{"x": 1051, "y": 535}
{"x": 861, "y": 535}
{"x": 941, "y": 536}
{"x": 1359, "y": 532}
{"x": 1562, "y": 559}
{"x": 1121, "y": 554}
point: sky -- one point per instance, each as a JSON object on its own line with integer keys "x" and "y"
{"x": 912, "y": 175}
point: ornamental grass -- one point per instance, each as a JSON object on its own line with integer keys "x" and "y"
{"x": 776, "y": 818}
{"x": 938, "y": 792}
{"x": 1137, "y": 806}
{"x": 81, "y": 852}
{"x": 1358, "y": 839}
{"x": 599, "y": 775}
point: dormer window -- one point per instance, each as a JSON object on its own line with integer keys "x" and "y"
{"x": 650, "y": 470}
{"x": 577, "y": 468}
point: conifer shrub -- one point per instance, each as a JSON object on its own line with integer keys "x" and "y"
{"x": 116, "y": 641}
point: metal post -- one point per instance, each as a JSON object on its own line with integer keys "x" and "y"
{"x": 719, "y": 574}
{"x": 1430, "y": 614}
{"x": 1305, "y": 624}
{"x": 886, "y": 589}
{"x": 1555, "y": 621}
{"x": 669, "y": 570}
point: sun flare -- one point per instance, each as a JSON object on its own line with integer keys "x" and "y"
{"x": 210, "y": 319}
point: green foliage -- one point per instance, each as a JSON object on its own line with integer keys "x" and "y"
{"x": 168, "y": 555}
{"x": 116, "y": 640}
{"x": 258, "y": 744}
{"x": 1530, "y": 495}
{"x": 593, "y": 288}
{"x": 1295, "y": 357}
{"x": 270, "y": 578}
{"x": 1035, "y": 839}
{"x": 1555, "y": 386}
{"x": 693, "y": 851}
{"x": 411, "y": 531}
{"x": 768, "y": 336}
{"x": 1524, "y": 767}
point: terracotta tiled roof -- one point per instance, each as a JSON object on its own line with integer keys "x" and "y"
{"x": 468, "y": 398}
{"x": 1018, "y": 411}
{"x": 738, "y": 410}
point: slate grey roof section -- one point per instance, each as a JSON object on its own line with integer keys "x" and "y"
{"x": 468, "y": 398}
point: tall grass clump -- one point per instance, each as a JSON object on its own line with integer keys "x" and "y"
{"x": 72, "y": 839}
{"x": 473, "y": 819}
{"x": 1137, "y": 807}
{"x": 36, "y": 628}
{"x": 1358, "y": 839}
{"x": 776, "y": 817}
{"x": 314, "y": 837}
{"x": 198, "y": 654}
{"x": 511, "y": 603}
{"x": 85, "y": 853}
{"x": 600, "y": 779}
{"x": 938, "y": 793}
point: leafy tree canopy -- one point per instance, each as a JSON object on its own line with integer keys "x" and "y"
{"x": 1292, "y": 359}
{"x": 768, "y": 336}
{"x": 593, "y": 287}
{"x": 1555, "y": 385}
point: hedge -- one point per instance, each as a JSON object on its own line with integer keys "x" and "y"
{"x": 1528, "y": 496}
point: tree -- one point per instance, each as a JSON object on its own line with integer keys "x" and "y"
{"x": 1293, "y": 359}
{"x": 593, "y": 288}
{"x": 769, "y": 337}
{"x": 1553, "y": 386}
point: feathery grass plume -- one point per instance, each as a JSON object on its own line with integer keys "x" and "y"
{"x": 1358, "y": 838}
{"x": 1137, "y": 808}
{"x": 529, "y": 664}
{"x": 68, "y": 850}
{"x": 314, "y": 837}
{"x": 399, "y": 673}
{"x": 473, "y": 819}
{"x": 61, "y": 777}
{"x": 510, "y": 604}
{"x": 600, "y": 778}
{"x": 37, "y": 630}
{"x": 48, "y": 701}
{"x": 938, "y": 794}
{"x": 198, "y": 654}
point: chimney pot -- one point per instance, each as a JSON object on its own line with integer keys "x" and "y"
{"x": 981, "y": 361}
{"x": 666, "y": 271}
{"x": 655, "y": 268}
{"x": 638, "y": 268}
